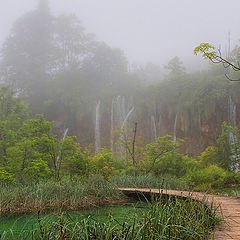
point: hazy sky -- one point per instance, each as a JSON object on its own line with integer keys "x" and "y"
{"x": 147, "y": 30}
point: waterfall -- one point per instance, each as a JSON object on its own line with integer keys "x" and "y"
{"x": 112, "y": 126}
{"x": 159, "y": 125}
{"x": 120, "y": 114}
{"x": 63, "y": 138}
{"x": 153, "y": 128}
{"x": 126, "y": 118}
{"x": 97, "y": 129}
{"x": 119, "y": 109}
{"x": 232, "y": 138}
{"x": 232, "y": 112}
{"x": 123, "y": 110}
{"x": 65, "y": 134}
{"x": 123, "y": 148}
{"x": 175, "y": 128}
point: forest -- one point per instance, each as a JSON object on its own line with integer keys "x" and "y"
{"x": 74, "y": 111}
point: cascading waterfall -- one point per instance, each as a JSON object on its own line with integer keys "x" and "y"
{"x": 232, "y": 138}
{"x": 65, "y": 134}
{"x": 112, "y": 126}
{"x": 175, "y": 129}
{"x": 97, "y": 129}
{"x": 126, "y": 118}
{"x": 123, "y": 148}
{"x": 63, "y": 138}
{"x": 153, "y": 128}
{"x": 232, "y": 112}
{"x": 123, "y": 108}
{"x": 159, "y": 125}
{"x": 119, "y": 117}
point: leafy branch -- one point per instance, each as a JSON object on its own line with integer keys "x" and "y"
{"x": 209, "y": 53}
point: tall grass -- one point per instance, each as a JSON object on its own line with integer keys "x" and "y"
{"x": 65, "y": 194}
{"x": 150, "y": 181}
{"x": 175, "y": 219}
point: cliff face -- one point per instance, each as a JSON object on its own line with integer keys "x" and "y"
{"x": 198, "y": 130}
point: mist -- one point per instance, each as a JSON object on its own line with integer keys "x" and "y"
{"x": 147, "y": 31}
{"x": 96, "y": 95}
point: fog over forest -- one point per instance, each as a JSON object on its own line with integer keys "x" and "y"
{"x": 147, "y": 31}
{"x": 101, "y": 94}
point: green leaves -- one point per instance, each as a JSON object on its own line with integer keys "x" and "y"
{"x": 161, "y": 157}
{"x": 206, "y": 50}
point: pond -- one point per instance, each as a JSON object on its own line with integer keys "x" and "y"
{"x": 120, "y": 214}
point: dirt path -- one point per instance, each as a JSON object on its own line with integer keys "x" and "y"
{"x": 229, "y": 210}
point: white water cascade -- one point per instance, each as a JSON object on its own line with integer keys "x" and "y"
{"x": 126, "y": 118}
{"x": 175, "y": 129}
{"x": 65, "y": 134}
{"x": 153, "y": 128}
{"x": 112, "y": 126}
{"x": 97, "y": 129}
{"x": 63, "y": 138}
{"x": 232, "y": 112}
{"x": 120, "y": 114}
{"x": 232, "y": 138}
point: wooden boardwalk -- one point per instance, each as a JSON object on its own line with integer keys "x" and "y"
{"x": 229, "y": 209}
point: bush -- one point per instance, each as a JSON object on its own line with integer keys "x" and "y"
{"x": 207, "y": 178}
{"x": 209, "y": 156}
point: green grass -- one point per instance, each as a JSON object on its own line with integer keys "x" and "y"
{"x": 234, "y": 191}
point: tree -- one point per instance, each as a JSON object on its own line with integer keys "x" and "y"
{"x": 157, "y": 151}
{"x": 41, "y": 46}
{"x": 229, "y": 148}
{"x": 175, "y": 67}
{"x": 13, "y": 112}
{"x": 71, "y": 43}
{"x": 105, "y": 66}
{"x": 209, "y": 52}
{"x": 26, "y": 53}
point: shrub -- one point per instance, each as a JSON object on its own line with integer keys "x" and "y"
{"x": 207, "y": 178}
{"x": 210, "y": 156}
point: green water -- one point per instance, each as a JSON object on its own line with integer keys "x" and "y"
{"x": 120, "y": 214}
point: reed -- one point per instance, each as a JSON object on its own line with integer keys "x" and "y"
{"x": 65, "y": 194}
{"x": 150, "y": 181}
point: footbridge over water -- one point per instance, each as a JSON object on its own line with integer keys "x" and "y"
{"x": 228, "y": 208}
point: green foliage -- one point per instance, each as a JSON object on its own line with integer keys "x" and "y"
{"x": 206, "y": 50}
{"x": 156, "y": 153}
{"x": 226, "y": 153}
{"x": 74, "y": 161}
{"x": 206, "y": 178}
{"x": 102, "y": 164}
{"x": 5, "y": 176}
{"x": 29, "y": 151}
{"x": 210, "y": 156}
{"x": 229, "y": 147}
{"x": 175, "y": 67}
{"x": 38, "y": 170}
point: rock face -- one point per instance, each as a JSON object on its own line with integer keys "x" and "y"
{"x": 198, "y": 130}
